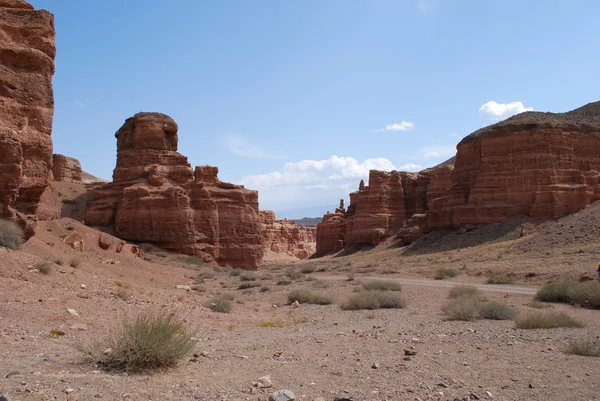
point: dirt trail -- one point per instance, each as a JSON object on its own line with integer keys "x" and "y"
{"x": 513, "y": 289}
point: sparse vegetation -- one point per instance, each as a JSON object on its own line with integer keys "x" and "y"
{"x": 546, "y": 320}
{"x": 152, "y": 340}
{"x": 554, "y": 292}
{"x": 123, "y": 293}
{"x": 461, "y": 291}
{"x": 248, "y": 284}
{"x": 306, "y": 296}
{"x": 308, "y": 269}
{"x": 462, "y": 308}
{"x": 442, "y": 274}
{"x": 236, "y": 272}
{"x": 284, "y": 282}
{"x": 57, "y": 332}
{"x": 586, "y": 294}
{"x": 161, "y": 255}
{"x": 496, "y": 311}
{"x": 220, "y": 304}
{"x": 276, "y": 322}
{"x": 59, "y": 262}
{"x": 374, "y": 300}
{"x": 75, "y": 262}
{"x": 123, "y": 284}
{"x": 11, "y": 235}
{"x": 293, "y": 274}
{"x": 382, "y": 286}
{"x": 69, "y": 201}
{"x": 193, "y": 260}
{"x": 44, "y": 267}
{"x": 500, "y": 279}
{"x": 248, "y": 276}
{"x": 584, "y": 347}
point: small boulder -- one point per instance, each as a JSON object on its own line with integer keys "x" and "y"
{"x": 282, "y": 395}
{"x": 105, "y": 241}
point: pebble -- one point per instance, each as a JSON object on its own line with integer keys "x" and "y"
{"x": 264, "y": 382}
{"x": 107, "y": 351}
{"x": 376, "y": 365}
{"x": 69, "y": 390}
{"x": 183, "y": 287}
{"x": 282, "y": 395}
{"x": 318, "y": 399}
{"x": 13, "y": 373}
{"x": 410, "y": 352}
{"x": 79, "y": 326}
{"x": 72, "y": 312}
{"x": 5, "y": 398}
{"x": 83, "y": 286}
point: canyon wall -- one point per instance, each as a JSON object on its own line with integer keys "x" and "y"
{"x": 283, "y": 236}
{"x": 27, "y": 51}
{"x": 66, "y": 169}
{"x": 157, "y": 197}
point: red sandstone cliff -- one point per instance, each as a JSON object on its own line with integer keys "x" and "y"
{"x": 283, "y": 236}
{"x": 66, "y": 169}
{"x": 536, "y": 164}
{"x": 27, "y": 52}
{"x": 156, "y": 197}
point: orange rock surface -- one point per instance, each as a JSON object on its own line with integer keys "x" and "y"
{"x": 156, "y": 197}
{"x": 283, "y": 236}
{"x": 66, "y": 169}
{"x": 27, "y": 52}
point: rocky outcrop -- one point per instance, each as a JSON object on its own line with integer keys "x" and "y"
{"x": 27, "y": 52}
{"x": 379, "y": 210}
{"x": 536, "y": 164}
{"x": 156, "y": 197}
{"x": 283, "y": 236}
{"x": 66, "y": 169}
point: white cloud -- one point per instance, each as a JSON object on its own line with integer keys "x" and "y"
{"x": 437, "y": 152}
{"x": 240, "y": 147}
{"x": 80, "y": 104}
{"x": 410, "y": 167}
{"x": 402, "y": 126}
{"x": 432, "y": 155}
{"x": 500, "y": 111}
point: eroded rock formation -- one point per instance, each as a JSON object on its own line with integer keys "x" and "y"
{"x": 66, "y": 169}
{"x": 283, "y": 236}
{"x": 27, "y": 52}
{"x": 156, "y": 197}
{"x": 535, "y": 164}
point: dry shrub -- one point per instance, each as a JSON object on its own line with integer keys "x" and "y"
{"x": 248, "y": 284}
{"x": 293, "y": 274}
{"x": 308, "y": 269}
{"x": 382, "y": 286}
{"x": 220, "y": 304}
{"x": 555, "y": 292}
{"x": 306, "y": 296}
{"x": 44, "y": 267}
{"x": 546, "y": 320}
{"x": 500, "y": 279}
{"x": 123, "y": 293}
{"x": 374, "y": 300}
{"x": 496, "y": 311}
{"x": 236, "y": 272}
{"x": 584, "y": 347}
{"x": 442, "y": 274}
{"x": 11, "y": 235}
{"x": 75, "y": 262}
{"x": 248, "y": 276}
{"x": 586, "y": 294}
{"x": 461, "y": 291}
{"x": 284, "y": 282}
{"x": 462, "y": 308}
{"x": 151, "y": 340}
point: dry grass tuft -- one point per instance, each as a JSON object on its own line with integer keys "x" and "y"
{"x": 220, "y": 304}
{"x": 11, "y": 235}
{"x": 500, "y": 279}
{"x": 382, "y": 286}
{"x": 546, "y": 320}
{"x": 374, "y": 300}
{"x": 442, "y": 274}
{"x": 461, "y": 291}
{"x": 44, "y": 267}
{"x": 306, "y": 296}
{"x": 583, "y": 347}
{"x": 462, "y": 308}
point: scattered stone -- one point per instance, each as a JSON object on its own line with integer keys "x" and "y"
{"x": 376, "y": 365}
{"x": 295, "y": 304}
{"x": 83, "y": 286}
{"x": 79, "y": 326}
{"x": 443, "y": 385}
{"x": 72, "y": 312}
{"x": 107, "y": 351}
{"x": 5, "y": 398}
{"x": 105, "y": 241}
{"x": 264, "y": 382}
{"x": 69, "y": 390}
{"x": 183, "y": 287}
{"x": 204, "y": 354}
{"x": 13, "y": 373}
{"x": 489, "y": 394}
{"x": 410, "y": 352}
{"x": 282, "y": 395}
{"x": 318, "y": 399}
{"x": 342, "y": 399}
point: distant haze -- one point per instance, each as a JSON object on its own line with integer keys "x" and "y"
{"x": 312, "y": 211}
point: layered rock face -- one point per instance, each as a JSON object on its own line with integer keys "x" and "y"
{"x": 27, "y": 52}
{"x": 379, "y": 210}
{"x": 66, "y": 169}
{"x": 536, "y": 164}
{"x": 283, "y": 236}
{"x": 156, "y": 197}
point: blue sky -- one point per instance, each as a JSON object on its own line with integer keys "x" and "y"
{"x": 300, "y": 98}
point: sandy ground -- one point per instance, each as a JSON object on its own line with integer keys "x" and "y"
{"x": 315, "y": 351}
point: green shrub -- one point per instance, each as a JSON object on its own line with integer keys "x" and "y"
{"x": 248, "y": 276}
{"x": 496, "y": 311}
{"x": 500, "y": 279}
{"x": 442, "y": 274}
{"x": 586, "y": 294}
{"x": 284, "y": 282}
{"x": 583, "y": 347}
{"x": 11, "y": 235}
{"x": 152, "y": 340}
{"x": 374, "y": 300}
{"x": 555, "y": 292}
{"x": 248, "y": 284}
{"x": 306, "y": 296}
{"x": 382, "y": 286}
{"x": 462, "y": 308}
{"x": 44, "y": 267}
{"x": 220, "y": 304}
{"x": 461, "y": 291}
{"x": 546, "y": 320}
{"x": 193, "y": 260}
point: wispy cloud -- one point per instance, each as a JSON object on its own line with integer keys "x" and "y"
{"x": 402, "y": 126}
{"x": 410, "y": 167}
{"x": 80, "y": 104}
{"x": 437, "y": 152}
{"x": 500, "y": 111}
{"x": 237, "y": 145}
